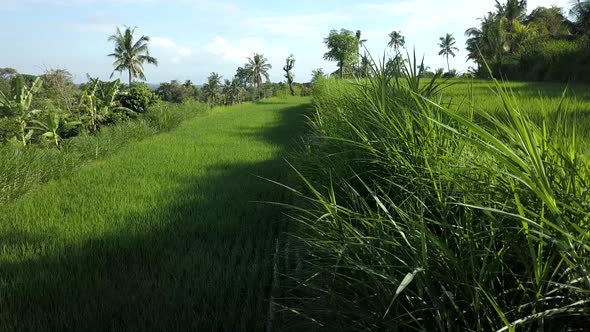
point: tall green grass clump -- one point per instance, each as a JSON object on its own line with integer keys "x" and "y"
{"x": 419, "y": 214}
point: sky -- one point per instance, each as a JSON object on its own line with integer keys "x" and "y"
{"x": 192, "y": 38}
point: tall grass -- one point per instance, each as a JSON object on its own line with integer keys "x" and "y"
{"x": 423, "y": 213}
{"x": 24, "y": 168}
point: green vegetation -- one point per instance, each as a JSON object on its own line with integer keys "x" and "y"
{"x": 163, "y": 235}
{"x": 435, "y": 208}
{"x": 411, "y": 199}
{"x": 543, "y": 46}
{"x": 396, "y": 40}
{"x": 24, "y": 169}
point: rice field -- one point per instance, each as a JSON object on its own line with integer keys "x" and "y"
{"x": 407, "y": 205}
{"x": 167, "y": 234}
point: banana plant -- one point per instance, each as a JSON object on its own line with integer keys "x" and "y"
{"x": 51, "y": 126}
{"x": 19, "y": 106}
{"x": 98, "y": 101}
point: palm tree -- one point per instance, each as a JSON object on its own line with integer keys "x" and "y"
{"x": 473, "y": 44}
{"x": 396, "y": 41}
{"x": 581, "y": 12}
{"x": 212, "y": 89}
{"x": 258, "y": 67}
{"x": 130, "y": 55}
{"x": 360, "y": 41}
{"x": 447, "y": 47}
{"x": 365, "y": 66}
{"x": 512, "y": 10}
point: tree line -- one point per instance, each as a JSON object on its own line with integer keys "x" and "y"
{"x": 344, "y": 47}
{"x": 545, "y": 45}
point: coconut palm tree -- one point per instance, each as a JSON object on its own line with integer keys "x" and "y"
{"x": 130, "y": 55}
{"x": 512, "y": 10}
{"x": 258, "y": 68}
{"x": 581, "y": 12}
{"x": 361, "y": 42}
{"x": 447, "y": 47}
{"x": 396, "y": 41}
{"x": 212, "y": 89}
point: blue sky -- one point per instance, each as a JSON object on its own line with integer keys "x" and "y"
{"x": 192, "y": 38}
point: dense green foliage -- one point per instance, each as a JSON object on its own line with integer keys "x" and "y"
{"x": 343, "y": 47}
{"x": 434, "y": 208}
{"x": 544, "y": 45}
{"x": 175, "y": 92}
{"x": 138, "y": 98}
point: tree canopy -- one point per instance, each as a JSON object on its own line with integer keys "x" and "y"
{"x": 343, "y": 48}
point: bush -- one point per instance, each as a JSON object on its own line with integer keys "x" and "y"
{"x": 165, "y": 118}
{"x": 138, "y": 98}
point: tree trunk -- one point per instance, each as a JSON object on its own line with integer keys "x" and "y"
{"x": 448, "y": 66}
{"x": 291, "y": 88}
{"x": 129, "y": 77}
{"x": 341, "y": 68}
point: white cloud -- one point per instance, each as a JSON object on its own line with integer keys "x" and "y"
{"x": 166, "y": 48}
{"x": 236, "y": 53}
{"x": 295, "y": 25}
{"x": 231, "y": 54}
{"x": 426, "y": 15}
{"x": 100, "y": 21}
{"x": 231, "y": 8}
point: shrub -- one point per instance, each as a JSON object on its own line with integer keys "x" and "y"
{"x": 138, "y": 98}
{"x": 164, "y": 117}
